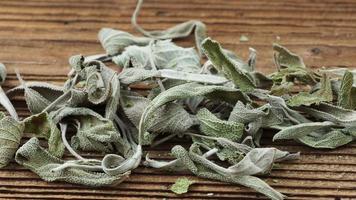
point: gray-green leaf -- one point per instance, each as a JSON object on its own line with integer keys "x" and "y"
{"x": 329, "y": 140}
{"x": 286, "y": 59}
{"x": 300, "y": 130}
{"x": 324, "y": 94}
{"x": 115, "y": 41}
{"x": 221, "y": 62}
{"x": 212, "y": 126}
{"x": 187, "y": 91}
{"x": 347, "y": 93}
{"x": 11, "y": 132}
{"x": 163, "y": 54}
{"x": 32, "y": 156}
{"x": 178, "y": 31}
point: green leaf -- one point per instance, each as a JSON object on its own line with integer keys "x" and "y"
{"x": 38, "y": 100}
{"x": 11, "y": 132}
{"x": 3, "y": 73}
{"x": 43, "y": 125}
{"x": 113, "y": 98}
{"x": 94, "y": 78}
{"x": 247, "y": 114}
{"x": 286, "y": 59}
{"x": 4, "y": 100}
{"x": 133, "y": 75}
{"x": 94, "y": 133}
{"x": 279, "y": 105}
{"x": 170, "y": 118}
{"x": 290, "y": 68}
{"x": 183, "y": 92}
{"x": 329, "y": 140}
{"x": 332, "y": 113}
{"x": 181, "y": 30}
{"x": 49, "y": 91}
{"x": 162, "y": 54}
{"x": 212, "y": 126}
{"x": 115, "y": 41}
{"x": 221, "y": 62}
{"x": 202, "y": 167}
{"x": 181, "y": 185}
{"x": 347, "y": 93}
{"x": 50, "y": 168}
{"x": 324, "y": 94}
{"x": 300, "y": 130}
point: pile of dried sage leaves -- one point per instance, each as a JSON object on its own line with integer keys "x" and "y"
{"x": 222, "y": 107}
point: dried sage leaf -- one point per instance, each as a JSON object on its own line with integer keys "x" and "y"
{"x": 32, "y": 156}
{"x": 4, "y": 100}
{"x": 164, "y": 54}
{"x": 216, "y": 55}
{"x": 35, "y": 101}
{"x": 113, "y": 99}
{"x": 300, "y": 130}
{"x": 324, "y": 94}
{"x": 286, "y": 59}
{"x": 212, "y": 126}
{"x": 11, "y": 132}
{"x": 115, "y": 41}
{"x": 186, "y": 91}
{"x": 179, "y": 31}
{"x": 132, "y": 75}
{"x": 335, "y": 114}
{"x": 205, "y": 168}
{"x": 347, "y": 93}
{"x": 3, "y": 73}
{"x": 94, "y": 133}
{"x": 42, "y": 125}
{"x": 170, "y": 118}
{"x": 329, "y": 140}
{"x": 290, "y": 68}
{"x": 181, "y": 185}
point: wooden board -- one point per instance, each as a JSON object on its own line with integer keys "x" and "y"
{"x": 38, "y": 36}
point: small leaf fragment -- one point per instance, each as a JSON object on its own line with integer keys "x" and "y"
{"x": 244, "y": 38}
{"x": 181, "y": 185}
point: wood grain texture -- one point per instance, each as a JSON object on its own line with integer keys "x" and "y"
{"x": 38, "y": 36}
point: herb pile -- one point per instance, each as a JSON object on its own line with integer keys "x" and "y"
{"x": 222, "y": 107}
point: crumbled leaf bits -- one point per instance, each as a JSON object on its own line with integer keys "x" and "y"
{"x": 244, "y": 38}
{"x": 11, "y": 132}
{"x": 181, "y": 185}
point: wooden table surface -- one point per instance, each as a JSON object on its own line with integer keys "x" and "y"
{"x": 38, "y": 36}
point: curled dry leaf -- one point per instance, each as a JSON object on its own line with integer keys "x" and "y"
{"x": 11, "y": 132}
